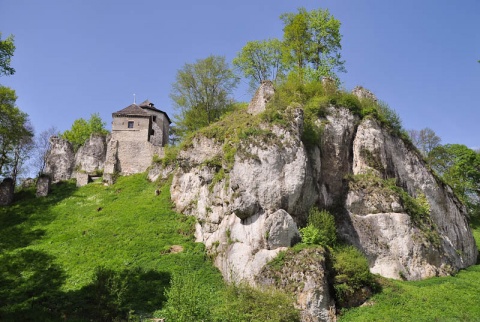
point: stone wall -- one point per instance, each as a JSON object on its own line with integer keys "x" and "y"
{"x": 263, "y": 94}
{"x": 139, "y": 132}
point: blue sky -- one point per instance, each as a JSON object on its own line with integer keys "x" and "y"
{"x": 78, "y": 57}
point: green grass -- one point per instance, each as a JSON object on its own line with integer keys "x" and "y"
{"x": 69, "y": 254}
{"x": 453, "y": 298}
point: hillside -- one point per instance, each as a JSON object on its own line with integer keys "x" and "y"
{"x": 69, "y": 253}
{"x": 64, "y": 257}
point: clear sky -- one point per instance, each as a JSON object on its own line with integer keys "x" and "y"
{"x": 77, "y": 57}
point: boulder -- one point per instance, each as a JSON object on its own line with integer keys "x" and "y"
{"x": 43, "y": 185}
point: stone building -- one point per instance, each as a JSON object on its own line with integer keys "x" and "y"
{"x": 138, "y": 133}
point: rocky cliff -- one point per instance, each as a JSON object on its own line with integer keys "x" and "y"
{"x": 250, "y": 188}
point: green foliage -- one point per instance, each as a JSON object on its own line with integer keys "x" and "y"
{"x": 324, "y": 222}
{"x": 352, "y": 273}
{"x": 260, "y": 61}
{"x": 243, "y": 303}
{"x": 15, "y": 131}
{"x": 170, "y": 155}
{"x": 7, "y": 47}
{"x": 310, "y": 235}
{"x": 312, "y": 44}
{"x": 188, "y": 299}
{"x": 201, "y": 93}
{"x": 82, "y": 129}
{"x": 452, "y": 298}
{"x": 459, "y": 167}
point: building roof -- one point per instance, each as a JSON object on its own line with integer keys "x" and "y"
{"x": 131, "y": 110}
{"x": 139, "y": 110}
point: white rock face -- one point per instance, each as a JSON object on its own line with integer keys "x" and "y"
{"x": 60, "y": 159}
{"x": 245, "y": 217}
{"x": 90, "y": 157}
{"x": 392, "y": 243}
{"x": 250, "y": 213}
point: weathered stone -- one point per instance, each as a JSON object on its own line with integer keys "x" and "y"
{"x": 27, "y": 183}
{"x": 82, "y": 178}
{"x": 280, "y": 230}
{"x": 7, "y": 188}
{"x": 303, "y": 274}
{"x": 263, "y": 94}
{"x": 60, "y": 159}
{"x": 43, "y": 185}
{"x": 363, "y": 93}
{"x": 90, "y": 157}
{"x": 248, "y": 215}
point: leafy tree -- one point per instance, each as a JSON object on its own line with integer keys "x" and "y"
{"x": 201, "y": 93}
{"x": 425, "y": 140}
{"x": 459, "y": 166}
{"x": 7, "y": 48}
{"x": 82, "y": 130}
{"x": 312, "y": 43}
{"x": 260, "y": 61}
{"x": 14, "y": 131}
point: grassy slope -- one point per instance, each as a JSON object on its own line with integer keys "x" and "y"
{"x": 51, "y": 250}
{"x": 454, "y": 298}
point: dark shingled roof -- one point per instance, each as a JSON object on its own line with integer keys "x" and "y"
{"x": 133, "y": 109}
{"x": 139, "y": 110}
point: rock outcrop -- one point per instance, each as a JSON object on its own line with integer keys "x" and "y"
{"x": 250, "y": 209}
{"x": 90, "y": 157}
{"x": 43, "y": 186}
{"x": 60, "y": 160}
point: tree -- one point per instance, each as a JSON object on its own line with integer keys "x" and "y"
{"x": 312, "y": 43}
{"x": 7, "y": 48}
{"x": 202, "y": 93}
{"x": 82, "y": 130}
{"x": 21, "y": 153}
{"x": 425, "y": 140}
{"x": 260, "y": 61}
{"x": 15, "y": 132}
{"x": 42, "y": 146}
{"x": 459, "y": 166}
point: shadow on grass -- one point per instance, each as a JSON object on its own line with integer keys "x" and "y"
{"x": 17, "y": 220}
{"x": 31, "y": 285}
{"x": 31, "y": 281}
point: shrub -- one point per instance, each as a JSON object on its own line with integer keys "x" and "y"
{"x": 324, "y": 222}
{"x": 352, "y": 274}
{"x": 310, "y": 235}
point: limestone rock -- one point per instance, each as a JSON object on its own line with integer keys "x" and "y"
{"x": 43, "y": 186}
{"x": 303, "y": 274}
{"x": 90, "y": 157}
{"x": 280, "y": 230}
{"x": 395, "y": 246}
{"x": 263, "y": 94}
{"x": 60, "y": 159}
{"x": 82, "y": 178}
{"x": 363, "y": 93}
{"x": 248, "y": 211}
{"x": 6, "y": 191}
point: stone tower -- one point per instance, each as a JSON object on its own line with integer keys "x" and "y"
{"x": 138, "y": 133}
